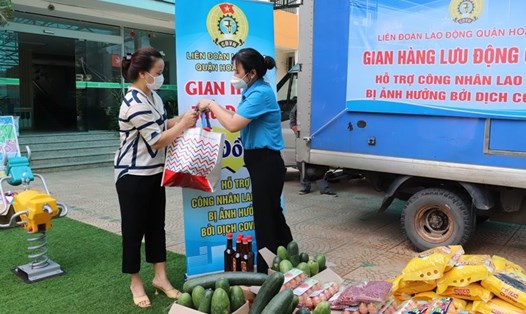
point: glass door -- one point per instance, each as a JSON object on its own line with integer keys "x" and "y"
{"x": 98, "y": 84}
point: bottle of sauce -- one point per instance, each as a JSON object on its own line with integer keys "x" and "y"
{"x": 250, "y": 265}
{"x": 236, "y": 259}
{"x": 229, "y": 252}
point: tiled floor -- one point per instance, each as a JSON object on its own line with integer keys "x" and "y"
{"x": 362, "y": 243}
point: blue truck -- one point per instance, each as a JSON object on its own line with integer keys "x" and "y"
{"x": 426, "y": 100}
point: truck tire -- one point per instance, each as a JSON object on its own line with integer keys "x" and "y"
{"x": 435, "y": 217}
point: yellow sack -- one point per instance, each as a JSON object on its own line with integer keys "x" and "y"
{"x": 502, "y": 264}
{"x": 431, "y": 264}
{"x": 496, "y": 305}
{"x": 426, "y": 296}
{"x": 468, "y": 269}
{"x": 401, "y": 286}
{"x": 473, "y": 292}
{"x": 510, "y": 287}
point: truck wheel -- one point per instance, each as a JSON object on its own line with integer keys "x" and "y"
{"x": 436, "y": 217}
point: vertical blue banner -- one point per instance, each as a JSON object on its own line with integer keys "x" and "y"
{"x": 208, "y": 34}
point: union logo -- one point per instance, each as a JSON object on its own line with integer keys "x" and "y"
{"x": 227, "y": 25}
{"x": 465, "y": 11}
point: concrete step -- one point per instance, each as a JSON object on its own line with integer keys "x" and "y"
{"x": 72, "y": 166}
{"x": 67, "y": 151}
{"x": 71, "y": 151}
{"x": 66, "y": 137}
{"x": 37, "y": 147}
{"x": 43, "y": 162}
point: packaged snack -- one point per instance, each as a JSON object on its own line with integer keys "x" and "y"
{"x": 473, "y": 292}
{"x": 430, "y": 296}
{"x": 431, "y": 264}
{"x": 468, "y": 269}
{"x": 495, "y": 306}
{"x": 441, "y": 306}
{"x": 510, "y": 287}
{"x": 412, "y": 307}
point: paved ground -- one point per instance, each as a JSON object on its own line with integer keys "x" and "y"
{"x": 363, "y": 244}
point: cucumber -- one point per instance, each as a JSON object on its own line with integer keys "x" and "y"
{"x": 268, "y": 290}
{"x": 293, "y": 304}
{"x": 237, "y": 298}
{"x": 234, "y": 278}
{"x": 220, "y": 302}
{"x": 204, "y": 306}
{"x": 198, "y": 294}
{"x": 280, "y": 303}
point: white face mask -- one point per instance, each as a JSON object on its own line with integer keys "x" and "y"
{"x": 238, "y": 83}
{"x": 157, "y": 82}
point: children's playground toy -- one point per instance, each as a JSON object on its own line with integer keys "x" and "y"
{"x": 33, "y": 211}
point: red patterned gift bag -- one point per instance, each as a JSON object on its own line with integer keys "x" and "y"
{"x": 193, "y": 160}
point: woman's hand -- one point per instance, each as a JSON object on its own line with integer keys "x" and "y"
{"x": 189, "y": 118}
{"x": 203, "y": 104}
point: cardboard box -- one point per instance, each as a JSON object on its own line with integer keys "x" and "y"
{"x": 179, "y": 309}
{"x": 327, "y": 275}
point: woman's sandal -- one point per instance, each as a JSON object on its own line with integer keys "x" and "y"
{"x": 142, "y": 301}
{"x": 172, "y": 293}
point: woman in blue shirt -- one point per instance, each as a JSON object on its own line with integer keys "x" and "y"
{"x": 258, "y": 117}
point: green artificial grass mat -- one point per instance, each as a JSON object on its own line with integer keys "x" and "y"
{"x": 93, "y": 281}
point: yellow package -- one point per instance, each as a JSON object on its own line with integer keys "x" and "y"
{"x": 510, "y": 287}
{"x": 495, "y": 306}
{"x": 469, "y": 307}
{"x": 473, "y": 292}
{"x": 426, "y": 296}
{"x": 502, "y": 264}
{"x": 401, "y": 286}
{"x": 469, "y": 269}
{"x": 429, "y": 265}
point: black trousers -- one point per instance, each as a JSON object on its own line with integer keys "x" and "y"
{"x": 267, "y": 175}
{"x": 143, "y": 203}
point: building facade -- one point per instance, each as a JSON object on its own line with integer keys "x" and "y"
{"x": 60, "y": 59}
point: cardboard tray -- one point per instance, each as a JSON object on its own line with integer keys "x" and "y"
{"x": 179, "y": 309}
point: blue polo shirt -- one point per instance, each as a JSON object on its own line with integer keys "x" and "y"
{"x": 258, "y": 103}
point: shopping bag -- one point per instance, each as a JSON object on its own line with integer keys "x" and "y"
{"x": 193, "y": 160}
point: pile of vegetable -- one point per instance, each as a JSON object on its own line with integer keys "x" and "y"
{"x": 289, "y": 257}
{"x": 213, "y": 294}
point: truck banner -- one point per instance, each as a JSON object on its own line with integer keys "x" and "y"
{"x": 437, "y": 57}
{"x": 208, "y": 34}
